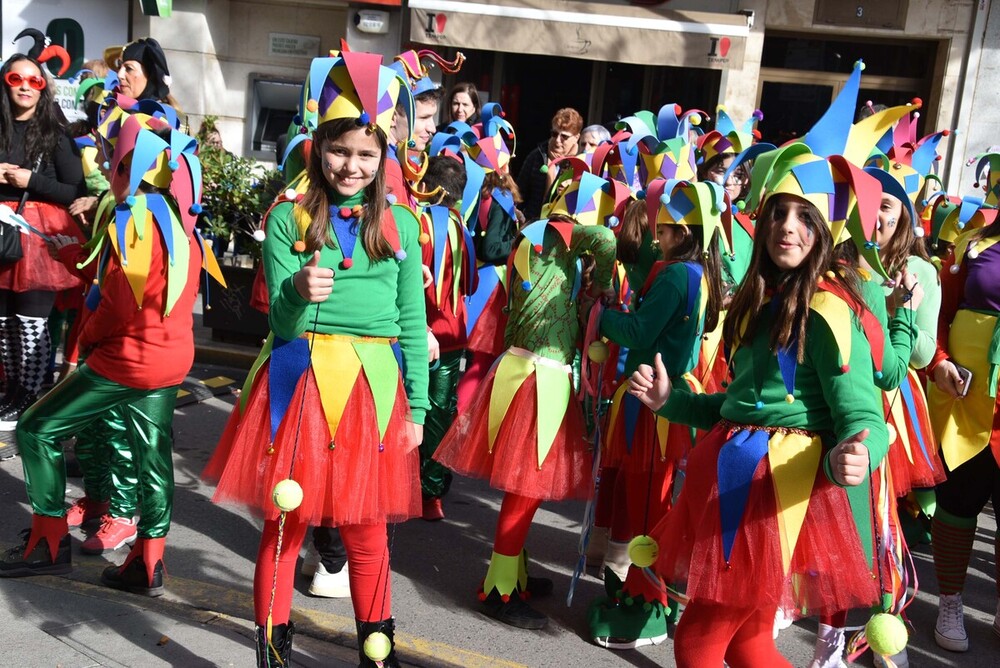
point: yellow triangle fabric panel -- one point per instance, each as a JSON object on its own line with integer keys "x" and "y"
{"x": 265, "y": 354}
{"x": 511, "y": 373}
{"x": 553, "y": 389}
{"x": 177, "y": 271}
{"x": 902, "y": 431}
{"x": 211, "y": 264}
{"x": 839, "y": 318}
{"x": 963, "y": 426}
{"x": 336, "y": 367}
{"x": 616, "y": 407}
{"x": 382, "y": 372}
{"x": 963, "y": 241}
{"x": 139, "y": 252}
{"x": 662, "y": 430}
{"x": 794, "y": 460}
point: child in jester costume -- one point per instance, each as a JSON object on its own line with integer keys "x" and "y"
{"x": 327, "y": 429}
{"x": 139, "y": 345}
{"x": 776, "y": 511}
{"x": 679, "y": 301}
{"x": 524, "y": 431}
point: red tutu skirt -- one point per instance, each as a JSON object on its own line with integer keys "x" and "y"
{"x": 488, "y": 334}
{"x": 36, "y": 270}
{"x": 357, "y": 481}
{"x": 655, "y": 442}
{"x": 908, "y": 417}
{"x": 712, "y": 370}
{"x": 828, "y": 571}
{"x": 512, "y": 466}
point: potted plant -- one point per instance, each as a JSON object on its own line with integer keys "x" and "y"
{"x": 236, "y": 193}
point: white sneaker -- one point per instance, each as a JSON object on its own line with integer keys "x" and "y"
{"x": 780, "y": 623}
{"x": 330, "y": 585}
{"x": 616, "y": 558}
{"x": 900, "y": 660}
{"x": 949, "y": 632}
{"x": 829, "y": 649}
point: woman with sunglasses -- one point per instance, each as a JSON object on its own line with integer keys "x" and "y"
{"x": 39, "y": 166}
{"x": 533, "y": 180}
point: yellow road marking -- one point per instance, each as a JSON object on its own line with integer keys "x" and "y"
{"x": 204, "y": 602}
{"x": 218, "y": 381}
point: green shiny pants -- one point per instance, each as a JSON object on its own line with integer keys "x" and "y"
{"x": 442, "y": 384}
{"x": 83, "y": 398}
{"x": 108, "y": 466}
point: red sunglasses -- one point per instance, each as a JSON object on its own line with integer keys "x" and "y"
{"x": 14, "y": 80}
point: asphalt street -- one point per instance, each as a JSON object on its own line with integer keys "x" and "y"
{"x": 205, "y": 619}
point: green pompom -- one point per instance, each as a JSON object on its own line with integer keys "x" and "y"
{"x": 886, "y": 634}
{"x": 544, "y": 169}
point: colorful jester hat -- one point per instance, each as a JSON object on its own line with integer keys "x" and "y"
{"x": 869, "y": 247}
{"x": 909, "y": 160}
{"x": 988, "y": 168}
{"x": 612, "y": 160}
{"x": 413, "y": 67}
{"x": 700, "y": 204}
{"x": 663, "y": 142}
{"x": 824, "y": 168}
{"x": 941, "y": 216}
{"x": 727, "y": 138}
{"x": 447, "y": 236}
{"x": 43, "y": 50}
{"x": 349, "y": 84}
{"x": 589, "y": 201}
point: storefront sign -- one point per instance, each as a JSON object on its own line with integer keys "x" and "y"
{"x": 613, "y": 33}
{"x": 297, "y": 46}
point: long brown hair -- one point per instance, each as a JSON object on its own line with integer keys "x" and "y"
{"x": 503, "y": 181}
{"x": 633, "y": 232}
{"x": 692, "y": 250}
{"x": 902, "y": 245}
{"x": 796, "y": 286}
{"x": 316, "y": 200}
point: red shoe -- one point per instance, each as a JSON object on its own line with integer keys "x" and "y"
{"x": 433, "y": 511}
{"x": 115, "y": 532}
{"x": 85, "y": 510}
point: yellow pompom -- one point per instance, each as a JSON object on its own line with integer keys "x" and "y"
{"x": 643, "y": 551}
{"x": 695, "y": 119}
{"x": 886, "y": 634}
{"x": 287, "y": 495}
{"x": 423, "y": 238}
{"x": 893, "y": 435}
{"x": 789, "y": 399}
{"x": 312, "y": 106}
{"x": 830, "y": 275}
{"x": 377, "y": 646}
{"x": 598, "y": 352}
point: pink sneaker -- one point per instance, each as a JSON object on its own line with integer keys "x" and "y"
{"x": 85, "y": 510}
{"x": 115, "y": 532}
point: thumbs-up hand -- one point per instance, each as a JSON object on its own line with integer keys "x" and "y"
{"x": 849, "y": 460}
{"x": 651, "y": 384}
{"x": 313, "y": 282}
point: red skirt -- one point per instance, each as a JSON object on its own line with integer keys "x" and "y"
{"x": 512, "y": 466}
{"x": 829, "y": 570}
{"x": 647, "y": 449}
{"x": 908, "y": 417}
{"x": 487, "y": 336}
{"x": 358, "y": 481}
{"x": 36, "y": 270}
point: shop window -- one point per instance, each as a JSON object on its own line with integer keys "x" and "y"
{"x": 273, "y": 105}
{"x": 883, "y": 57}
{"x": 889, "y": 14}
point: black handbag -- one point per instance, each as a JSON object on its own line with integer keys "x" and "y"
{"x": 10, "y": 238}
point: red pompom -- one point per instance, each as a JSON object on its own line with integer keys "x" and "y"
{"x": 482, "y": 596}
{"x": 538, "y": 248}
{"x": 505, "y": 598}
{"x": 917, "y": 101}
{"x": 945, "y": 133}
{"x": 845, "y": 368}
{"x": 347, "y": 263}
{"x": 345, "y": 212}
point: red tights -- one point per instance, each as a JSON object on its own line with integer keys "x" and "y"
{"x": 640, "y": 501}
{"x": 367, "y": 553}
{"x": 516, "y": 513}
{"x": 709, "y": 633}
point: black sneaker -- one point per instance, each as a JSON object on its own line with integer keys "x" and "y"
{"x": 16, "y": 564}
{"x": 133, "y": 578}
{"x": 9, "y": 417}
{"x": 539, "y": 587}
{"x": 514, "y": 611}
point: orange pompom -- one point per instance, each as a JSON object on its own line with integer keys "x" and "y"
{"x": 423, "y": 238}
{"x": 312, "y": 106}
{"x": 299, "y": 246}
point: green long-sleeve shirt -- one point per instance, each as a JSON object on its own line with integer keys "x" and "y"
{"x": 544, "y": 319}
{"x": 900, "y": 333}
{"x": 926, "y": 315}
{"x": 829, "y": 402}
{"x": 383, "y": 299}
{"x": 657, "y": 324}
